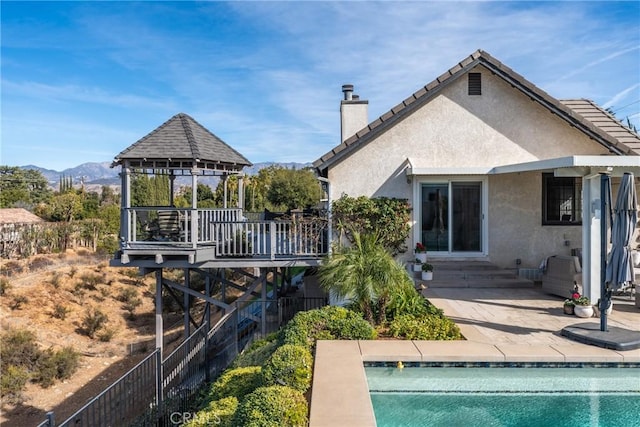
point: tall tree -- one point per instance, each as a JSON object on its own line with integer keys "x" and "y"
{"x": 293, "y": 189}
{"x": 150, "y": 190}
{"x": 22, "y": 187}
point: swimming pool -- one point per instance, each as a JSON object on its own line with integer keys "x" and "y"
{"x": 505, "y": 395}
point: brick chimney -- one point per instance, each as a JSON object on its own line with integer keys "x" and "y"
{"x": 353, "y": 113}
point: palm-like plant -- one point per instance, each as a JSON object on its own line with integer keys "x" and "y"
{"x": 364, "y": 273}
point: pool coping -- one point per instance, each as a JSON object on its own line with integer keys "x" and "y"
{"x": 340, "y": 393}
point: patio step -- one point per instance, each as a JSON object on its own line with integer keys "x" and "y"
{"x": 473, "y": 274}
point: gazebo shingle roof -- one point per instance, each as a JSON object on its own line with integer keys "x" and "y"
{"x": 181, "y": 138}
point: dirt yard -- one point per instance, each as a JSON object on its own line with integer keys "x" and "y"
{"x": 50, "y": 295}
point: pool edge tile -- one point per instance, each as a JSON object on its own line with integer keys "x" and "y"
{"x": 530, "y": 353}
{"x": 462, "y": 350}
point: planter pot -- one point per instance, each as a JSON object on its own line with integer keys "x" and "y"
{"x": 427, "y": 275}
{"x": 583, "y": 310}
{"x": 568, "y": 309}
{"x": 417, "y": 267}
{"x": 422, "y": 256}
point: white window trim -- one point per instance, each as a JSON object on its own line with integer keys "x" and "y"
{"x": 417, "y": 212}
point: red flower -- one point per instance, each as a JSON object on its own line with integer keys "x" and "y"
{"x": 575, "y": 295}
{"x": 420, "y": 247}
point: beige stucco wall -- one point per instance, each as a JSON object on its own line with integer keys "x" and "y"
{"x": 454, "y": 130}
{"x": 515, "y": 223}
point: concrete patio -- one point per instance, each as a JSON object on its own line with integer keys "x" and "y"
{"x": 500, "y": 325}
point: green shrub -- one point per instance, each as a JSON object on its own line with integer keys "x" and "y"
{"x": 93, "y": 321}
{"x": 21, "y": 357}
{"x": 126, "y": 294}
{"x": 290, "y": 365}
{"x": 45, "y": 373}
{"x": 19, "y": 347}
{"x": 274, "y": 406}
{"x": 404, "y": 299}
{"x": 236, "y": 382}
{"x": 106, "y": 334}
{"x": 67, "y": 361}
{"x": 60, "y": 311}
{"x": 258, "y": 352}
{"x": 12, "y": 381}
{"x": 91, "y": 281}
{"x": 58, "y": 365}
{"x": 326, "y": 323}
{"x": 218, "y": 413}
{"x": 129, "y": 296}
{"x": 108, "y": 245}
{"x": 426, "y": 327}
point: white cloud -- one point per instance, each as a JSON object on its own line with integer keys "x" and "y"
{"x": 266, "y": 76}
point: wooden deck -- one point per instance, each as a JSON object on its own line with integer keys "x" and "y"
{"x": 210, "y": 238}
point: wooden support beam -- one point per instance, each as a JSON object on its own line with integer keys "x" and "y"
{"x": 196, "y": 294}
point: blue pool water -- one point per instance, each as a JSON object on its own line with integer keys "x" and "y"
{"x": 505, "y": 396}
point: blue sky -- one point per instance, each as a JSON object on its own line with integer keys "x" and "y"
{"x": 81, "y": 81}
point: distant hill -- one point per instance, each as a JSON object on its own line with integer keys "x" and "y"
{"x": 87, "y": 172}
{"x": 102, "y": 174}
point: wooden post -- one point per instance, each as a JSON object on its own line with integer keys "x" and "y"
{"x": 185, "y": 302}
{"x": 194, "y": 208}
{"x": 159, "y": 326}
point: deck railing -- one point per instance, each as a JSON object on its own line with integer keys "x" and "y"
{"x": 227, "y": 230}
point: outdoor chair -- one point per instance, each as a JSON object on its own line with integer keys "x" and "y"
{"x": 169, "y": 225}
{"x": 561, "y": 275}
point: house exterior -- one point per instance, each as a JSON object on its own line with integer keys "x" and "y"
{"x": 495, "y": 168}
{"x": 13, "y": 223}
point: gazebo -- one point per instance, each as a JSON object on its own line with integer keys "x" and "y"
{"x": 180, "y": 152}
{"x": 215, "y": 243}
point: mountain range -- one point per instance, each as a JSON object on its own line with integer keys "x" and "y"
{"x": 94, "y": 173}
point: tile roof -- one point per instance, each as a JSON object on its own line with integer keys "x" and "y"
{"x": 182, "y": 138}
{"x": 18, "y": 216}
{"x": 599, "y": 117}
{"x": 578, "y": 115}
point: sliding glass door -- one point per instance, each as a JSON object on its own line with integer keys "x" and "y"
{"x": 451, "y": 216}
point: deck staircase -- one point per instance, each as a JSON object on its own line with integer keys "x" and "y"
{"x": 473, "y": 274}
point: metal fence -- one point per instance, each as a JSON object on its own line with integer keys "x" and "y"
{"x": 155, "y": 390}
{"x": 123, "y": 402}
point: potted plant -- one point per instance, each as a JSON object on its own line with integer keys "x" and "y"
{"x": 421, "y": 252}
{"x": 569, "y": 306}
{"x": 417, "y": 265}
{"x": 583, "y": 307}
{"x": 427, "y": 271}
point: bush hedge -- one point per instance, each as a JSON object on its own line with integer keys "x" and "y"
{"x": 424, "y": 327}
{"x": 258, "y": 352}
{"x": 326, "y": 323}
{"x": 273, "y": 406}
{"x": 218, "y": 413}
{"x": 290, "y": 365}
{"x": 236, "y": 383}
